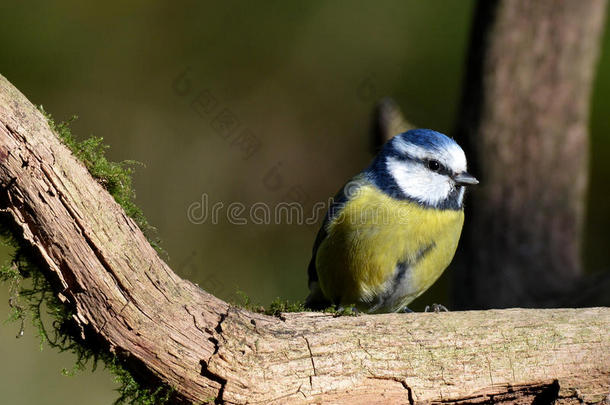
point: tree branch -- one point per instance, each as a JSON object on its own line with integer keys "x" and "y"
{"x": 128, "y": 300}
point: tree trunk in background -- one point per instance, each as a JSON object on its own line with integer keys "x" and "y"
{"x": 524, "y": 121}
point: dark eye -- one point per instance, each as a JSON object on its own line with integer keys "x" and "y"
{"x": 434, "y": 165}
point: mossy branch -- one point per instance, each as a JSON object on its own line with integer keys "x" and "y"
{"x": 120, "y": 301}
{"x": 31, "y": 293}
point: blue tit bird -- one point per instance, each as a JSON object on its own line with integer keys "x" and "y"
{"x": 392, "y": 229}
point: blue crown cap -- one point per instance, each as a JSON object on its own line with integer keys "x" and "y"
{"x": 425, "y": 138}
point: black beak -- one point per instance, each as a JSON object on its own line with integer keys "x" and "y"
{"x": 465, "y": 179}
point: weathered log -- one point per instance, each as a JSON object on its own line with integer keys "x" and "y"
{"x": 127, "y": 299}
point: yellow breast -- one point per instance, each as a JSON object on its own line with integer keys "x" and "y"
{"x": 373, "y": 233}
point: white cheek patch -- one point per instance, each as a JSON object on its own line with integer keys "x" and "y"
{"x": 418, "y": 182}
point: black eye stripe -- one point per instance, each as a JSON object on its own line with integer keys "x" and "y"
{"x": 436, "y": 166}
{"x": 425, "y": 162}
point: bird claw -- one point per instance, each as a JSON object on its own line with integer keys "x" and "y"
{"x": 343, "y": 311}
{"x": 436, "y": 308}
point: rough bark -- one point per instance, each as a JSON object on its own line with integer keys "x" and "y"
{"x": 128, "y": 300}
{"x": 525, "y": 114}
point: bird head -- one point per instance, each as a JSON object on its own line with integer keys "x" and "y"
{"x": 424, "y": 166}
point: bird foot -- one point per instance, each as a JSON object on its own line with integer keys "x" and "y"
{"x": 345, "y": 311}
{"x": 436, "y": 308}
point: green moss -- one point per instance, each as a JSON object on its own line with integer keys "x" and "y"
{"x": 31, "y": 288}
{"x": 115, "y": 177}
{"x": 343, "y": 311}
{"x": 243, "y": 301}
{"x": 132, "y": 392}
{"x": 278, "y": 306}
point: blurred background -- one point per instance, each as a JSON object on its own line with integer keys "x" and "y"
{"x": 161, "y": 82}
